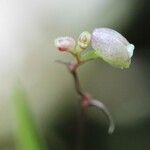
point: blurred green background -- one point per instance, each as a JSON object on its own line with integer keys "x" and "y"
{"x": 43, "y": 112}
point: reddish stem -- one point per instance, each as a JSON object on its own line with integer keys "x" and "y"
{"x": 84, "y": 103}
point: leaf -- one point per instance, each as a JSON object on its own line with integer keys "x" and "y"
{"x": 27, "y": 137}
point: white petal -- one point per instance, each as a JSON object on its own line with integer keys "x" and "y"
{"x": 112, "y": 47}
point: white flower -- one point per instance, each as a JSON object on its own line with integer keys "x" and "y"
{"x": 65, "y": 43}
{"x": 112, "y": 47}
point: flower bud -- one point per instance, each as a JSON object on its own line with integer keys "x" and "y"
{"x": 65, "y": 43}
{"x": 112, "y": 47}
{"x": 84, "y": 39}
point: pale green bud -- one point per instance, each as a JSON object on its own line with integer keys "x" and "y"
{"x": 84, "y": 40}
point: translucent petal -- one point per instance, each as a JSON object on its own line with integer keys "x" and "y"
{"x": 112, "y": 47}
{"x": 130, "y": 49}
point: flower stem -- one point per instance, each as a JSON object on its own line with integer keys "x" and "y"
{"x": 85, "y": 102}
{"x": 77, "y": 83}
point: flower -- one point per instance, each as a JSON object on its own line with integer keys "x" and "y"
{"x": 112, "y": 47}
{"x": 65, "y": 43}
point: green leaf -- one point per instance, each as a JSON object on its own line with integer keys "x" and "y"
{"x": 27, "y": 137}
{"x": 90, "y": 55}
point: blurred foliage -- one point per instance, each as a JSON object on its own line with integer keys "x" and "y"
{"x": 27, "y": 137}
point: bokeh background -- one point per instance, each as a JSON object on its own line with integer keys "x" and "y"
{"x": 27, "y": 32}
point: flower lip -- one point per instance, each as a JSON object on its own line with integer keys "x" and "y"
{"x": 65, "y": 43}
{"x": 112, "y": 47}
{"x": 130, "y": 49}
